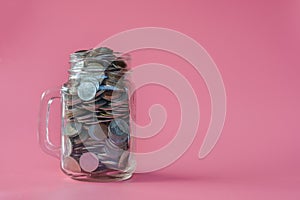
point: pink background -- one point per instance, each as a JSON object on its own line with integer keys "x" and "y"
{"x": 256, "y": 46}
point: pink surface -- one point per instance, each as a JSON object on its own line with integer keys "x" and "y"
{"x": 256, "y": 46}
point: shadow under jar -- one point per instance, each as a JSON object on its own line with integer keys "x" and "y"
{"x": 97, "y": 111}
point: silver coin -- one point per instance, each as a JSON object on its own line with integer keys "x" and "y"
{"x": 88, "y": 78}
{"x": 86, "y": 91}
{"x": 78, "y": 54}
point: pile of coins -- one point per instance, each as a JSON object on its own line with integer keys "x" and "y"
{"x": 96, "y": 135}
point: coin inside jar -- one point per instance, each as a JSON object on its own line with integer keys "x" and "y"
{"x": 118, "y": 132}
{"x": 86, "y": 91}
{"x": 71, "y": 164}
{"x": 98, "y": 131}
{"x": 72, "y": 128}
{"x": 89, "y": 162}
{"x": 89, "y": 78}
{"x": 118, "y": 127}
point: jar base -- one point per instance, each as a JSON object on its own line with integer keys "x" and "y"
{"x": 102, "y": 177}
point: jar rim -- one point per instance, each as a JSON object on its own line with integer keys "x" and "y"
{"x": 81, "y": 62}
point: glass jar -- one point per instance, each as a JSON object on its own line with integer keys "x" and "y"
{"x": 97, "y": 113}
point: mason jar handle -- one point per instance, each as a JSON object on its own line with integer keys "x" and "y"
{"x": 47, "y": 98}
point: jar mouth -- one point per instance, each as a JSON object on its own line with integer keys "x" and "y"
{"x": 98, "y": 60}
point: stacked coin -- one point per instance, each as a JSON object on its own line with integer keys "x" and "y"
{"x": 96, "y": 132}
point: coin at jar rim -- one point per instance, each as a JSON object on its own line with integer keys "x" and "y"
{"x": 79, "y": 54}
{"x": 89, "y": 162}
{"x": 99, "y": 51}
{"x": 71, "y": 164}
{"x": 67, "y": 147}
{"x": 72, "y": 128}
{"x": 86, "y": 91}
{"x": 103, "y": 50}
{"x": 78, "y": 65}
{"x": 98, "y": 131}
